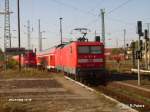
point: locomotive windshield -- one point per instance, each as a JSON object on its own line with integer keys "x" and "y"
{"x": 83, "y": 49}
{"x": 89, "y": 50}
{"x": 95, "y": 50}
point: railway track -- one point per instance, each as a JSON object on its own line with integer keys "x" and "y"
{"x": 138, "y": 100}
{"x": 134, "y": 97}
{"x": 127, "y": 76}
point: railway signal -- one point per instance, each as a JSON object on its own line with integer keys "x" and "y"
{"x": 146, "y": 34}
{"x": 139, "y": 28}
{"x": 140, "y": 33}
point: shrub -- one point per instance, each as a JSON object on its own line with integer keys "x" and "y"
{"x": 12, "y": 64}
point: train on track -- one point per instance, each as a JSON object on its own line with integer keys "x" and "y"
{"x": 81, "y": 59}
{"x": 28, "y": 59}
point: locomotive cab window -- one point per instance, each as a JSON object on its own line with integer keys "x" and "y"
{"x": 90, "y": 50}
{"x": 83, "y": 49}
{"x": 95, "y": 50}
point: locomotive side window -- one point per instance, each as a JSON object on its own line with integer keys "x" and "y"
{"x": 96, "y": 50}
{"x": 83, "y": 49}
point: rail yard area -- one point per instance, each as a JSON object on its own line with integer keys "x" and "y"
{"x": 74, "y": 56}
{"x": 52, "y": 92}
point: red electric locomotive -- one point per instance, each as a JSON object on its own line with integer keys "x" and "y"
{"x": 28, "y": 59}
{"x": 81, "y": 60}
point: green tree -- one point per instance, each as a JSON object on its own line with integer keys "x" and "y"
{"x": 12, "y": 63}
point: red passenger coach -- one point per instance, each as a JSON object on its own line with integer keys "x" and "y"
{"x": 46, "y": 59}
{"x": 60, "y": 57}
{"x": 81, "y": 59}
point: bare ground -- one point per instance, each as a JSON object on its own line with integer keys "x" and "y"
{"x": 51, "y": 94}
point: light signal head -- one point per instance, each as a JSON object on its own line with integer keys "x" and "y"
{"x": 139, "y": 28}
{"x": 146, "y": 34}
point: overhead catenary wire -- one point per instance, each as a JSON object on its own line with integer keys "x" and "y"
{"x": 98, "y": 5}
{"x": 89, "y": 12}
{"x": 78, "y": 10}
{"x": 119, "y": 6}
{"x": 113, "y": 10}
{"x": 92, "y": 14}
{"x": 121, "y": 21}
{"x": 73, "y": 7}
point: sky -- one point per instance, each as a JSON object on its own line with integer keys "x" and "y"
{"x": 119, "y": 15}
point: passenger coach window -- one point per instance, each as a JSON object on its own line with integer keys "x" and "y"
{"x": 83, "y": 49}
{"x": 96, "y": 50}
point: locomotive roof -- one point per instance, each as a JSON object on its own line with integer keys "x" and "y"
{"x": 83, "y": 43}
{"x": 52, "y": 49}
{"x": 46, "y": 51}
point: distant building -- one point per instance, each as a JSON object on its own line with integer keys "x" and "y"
{"x": 114, "y": 54}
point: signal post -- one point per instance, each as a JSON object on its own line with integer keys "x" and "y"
{"x": 139, "y": 52}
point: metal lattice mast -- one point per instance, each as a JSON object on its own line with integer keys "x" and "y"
{"x": 7, "y": 36}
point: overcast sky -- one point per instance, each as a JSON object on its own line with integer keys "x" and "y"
{"x": 120, "y": 14}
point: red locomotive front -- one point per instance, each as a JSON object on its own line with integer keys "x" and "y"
{"x": 90, "y": 55}
{"x": 29, "y": 59}
{"x": 82, "y": 59}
